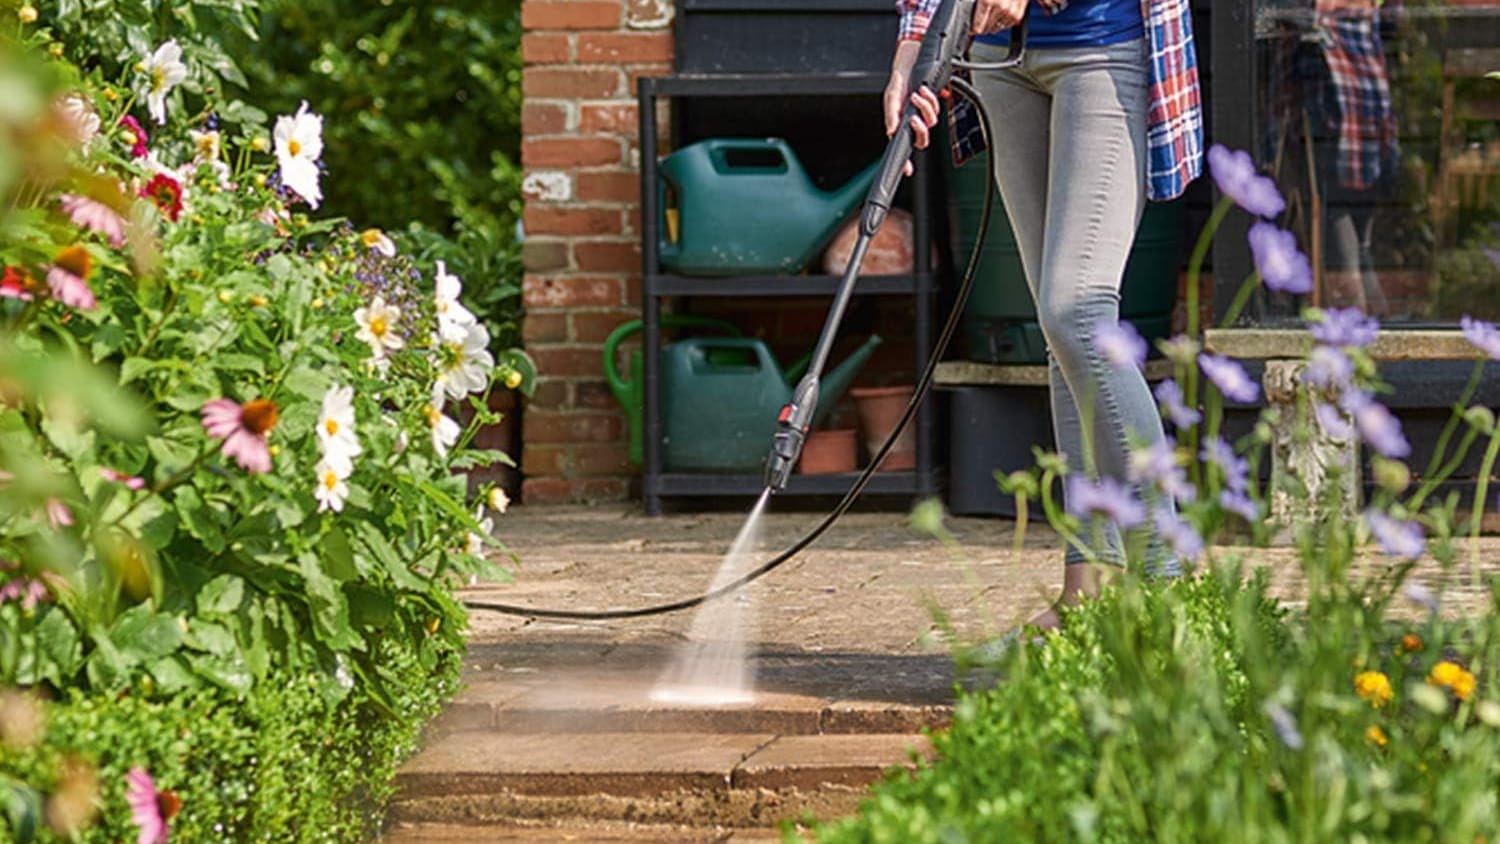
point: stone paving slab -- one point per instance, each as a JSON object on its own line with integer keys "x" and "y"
{"x": 577, "y": 763}
{"x": 812, "y": 762}
{"x": 598, "y": 832}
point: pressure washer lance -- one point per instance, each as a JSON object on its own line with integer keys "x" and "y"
{"x": 942, "y": 52}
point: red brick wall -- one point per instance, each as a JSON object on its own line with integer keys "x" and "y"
{"x": 581, "y": 253}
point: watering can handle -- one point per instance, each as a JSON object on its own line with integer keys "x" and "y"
{"x": 617, "y": 382}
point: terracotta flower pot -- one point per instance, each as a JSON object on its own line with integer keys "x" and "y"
{"x": 880, "y": 408}
{"x": 830, "y": 452}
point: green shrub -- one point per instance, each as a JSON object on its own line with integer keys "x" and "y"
{"x": 285, "y": 762}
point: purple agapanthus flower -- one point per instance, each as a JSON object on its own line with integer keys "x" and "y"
{"x": 1169, "y": 396}
{"x": 1328, "y": 368}
{"x": 1229, "y": 377}
{"x": 1120, "y": 344}
{"x": 1106, "y": 497}
{"x": 1157, "y": 464}
{"x": 1332, "y": 421}
{"x": 1180, "y": 536}
{"x": 1482, "y": 334}
{"x": 1376, "y": 425}
{"x": 1240, "y": 504}
{"x": 1403, "y": 540}
{"x": 1235, "y": 173}
{"x": 1282, "y": 266}
{"x": 1236, "y": 469}
{"x": 1345, "y": 327}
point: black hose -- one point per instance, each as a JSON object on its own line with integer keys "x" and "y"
{"x": 924, "y": 384}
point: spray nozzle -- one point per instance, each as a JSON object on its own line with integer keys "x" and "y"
{"x": 791, "y": 433}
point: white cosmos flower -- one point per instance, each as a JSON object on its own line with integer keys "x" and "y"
{"x": 463, "y": 358}
{"x": 209, "y": 144}
{"x": 499, "y": 501}
{"x": 444, "y": 430}
{"x": 377, "y": 240}
{"x": 299, "y": 144}
{"x": 164, "y": 71}
{"x": 377, "y": 327}
{"x": 449, "y": 310}
{"x": 331, "y": 490}
{"x": 474, "y": 542}
{"x": 336, "y": 427}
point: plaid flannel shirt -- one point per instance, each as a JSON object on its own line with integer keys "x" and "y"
{"x": 1362, "y": 89}
{"x": 1175, "y": 119}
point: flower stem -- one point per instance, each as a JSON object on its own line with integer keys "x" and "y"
{"x": 1195, "y": 262}
{"x": 1247, "y": 287}
{"x": 1432, "y": 481}
{"x": 1458, "y": 410}
{"x": 1481, "y": 491}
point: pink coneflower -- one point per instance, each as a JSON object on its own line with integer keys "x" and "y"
{"x": 95, "y": 216}
{"x": 244, "y": 429}
{"x": 68, "y": 278}
{"x": 28, "y": 591}
{"x": 130, "y": 481}
{"x": 166, "y": 192}
{"x": 58, "y": 514}
{"x": 136, "y": 135}
{"x": 150, "y": 810}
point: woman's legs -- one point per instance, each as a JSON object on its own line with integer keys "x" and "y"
{"x": 1069, "y": 130}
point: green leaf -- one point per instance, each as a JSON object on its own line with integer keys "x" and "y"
{"x": 23, "y": 810}
{"x": 211, "y": 636}
{"x": 144, "y": 635}
{"x": 330, "y": 611}
{"x": 221, "y": 596}
{"x": 60, "y": 645}
{"x": 228, "y": 671}
{"x": 338, "y": 556}
{"x": 171, "y": 454}
{"x": 389, "y": 559}
{"x": 198, "y": 518}
{"x": 171, "y": 675}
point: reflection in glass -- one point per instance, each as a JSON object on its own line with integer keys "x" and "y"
{"x": 1380, "y": 127}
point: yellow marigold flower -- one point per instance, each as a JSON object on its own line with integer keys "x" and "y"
{"x": 1373, "y": 686}
{"x": 1464, "y": 685}
{"x": 1444, "y": 674}
{"x": 1376, "y": 736}
{"x": 1411, "y": 643}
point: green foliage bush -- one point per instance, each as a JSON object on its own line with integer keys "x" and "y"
{"x": 233, "y": 501}
{"x": 284, "y": 762}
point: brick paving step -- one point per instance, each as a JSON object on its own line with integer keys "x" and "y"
{"x": 730, "y": 779}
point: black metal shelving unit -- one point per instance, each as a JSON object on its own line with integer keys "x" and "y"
{"x": 656, "y": 285}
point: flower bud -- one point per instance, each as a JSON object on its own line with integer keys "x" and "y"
{"x": 260, "y": 144}
{"x": 27, "y": 13}
{"x": 317, "y": 304}
{"x": 131, "y": 562}
{"x": 258, "y": 301}
{"x": 260, "y": 180}
{"x": 1391, "y": 475}
{"x": 1481, "y": 418}
{"x": 55, "y": 49}
{"x": 1019, "y": 483}
{"x": 1263, "y": 432}
{"x": 225, "y": 297}
{"x": 111, "y": 95}
{"x": 513, "y": 379}
{"x": 927, "y": 517}
{"x": 498, "y": 500}
{"x": 1181, "y": 350}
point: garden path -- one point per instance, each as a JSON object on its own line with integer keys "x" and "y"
{"x": 556, "y": 738}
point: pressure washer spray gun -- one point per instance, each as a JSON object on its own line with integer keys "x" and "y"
{"x": 943, "y": 50}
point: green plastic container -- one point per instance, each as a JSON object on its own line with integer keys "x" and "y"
{"x": 630, "y": 392}
{"x": 720, "y": 397}
{"x": 745, "y": 206}
{"x": 1000, "y": 323}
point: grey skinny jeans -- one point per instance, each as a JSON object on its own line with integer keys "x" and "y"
{"x": 1069, "y": 134}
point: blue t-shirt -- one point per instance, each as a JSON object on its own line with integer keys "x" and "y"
{"x": 1084, "y": 23}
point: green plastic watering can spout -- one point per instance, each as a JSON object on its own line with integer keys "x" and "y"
{"x": 846, "y": 197}
{"x": 835, "y": 382}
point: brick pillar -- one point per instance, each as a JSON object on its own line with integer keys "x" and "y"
{"x": 582, "y": 248}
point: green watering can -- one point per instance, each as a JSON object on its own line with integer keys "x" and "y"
{"x": 632, "y": 393}
{"x": 745, "y": 206}
{"x": 720, "y": 397}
